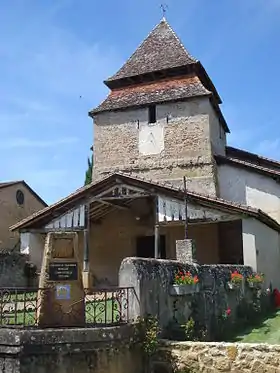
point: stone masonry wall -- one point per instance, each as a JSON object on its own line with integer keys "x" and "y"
{"x": 187, "y": 144}
{"x": 12, "y": 266}
{"x": 196, "y": 357}
{"x": 152, "y": 279}
{"x": 92, "y": 350}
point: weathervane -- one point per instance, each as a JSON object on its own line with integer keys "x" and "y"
{"x": 164, "y": 8}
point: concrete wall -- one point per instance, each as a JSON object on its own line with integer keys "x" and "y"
{"x": 250, "y": 188}
{"x": 11, "y": 212}
{"x": 218, "y": 357}
{"x": 152, "y": 279}
{"x": 187, "y": 144}
{"x": 68, "y": 350}
{"x": 261, "y": 249}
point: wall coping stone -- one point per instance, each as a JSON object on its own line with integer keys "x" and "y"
{"x": 185, "y": 345}
{"x": 14, "y": 341}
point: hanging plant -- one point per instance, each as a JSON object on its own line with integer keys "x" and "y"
{"x": 255, "y": 280}
{"x": 184, "y": 283}
{"x": 236, "y": 280}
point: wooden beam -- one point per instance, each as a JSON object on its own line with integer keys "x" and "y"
{"x": 123, "y": 196}
{"x": 156, "y": 253}
{"x": 46, "y": 230}
{"x": 104, "y": 202}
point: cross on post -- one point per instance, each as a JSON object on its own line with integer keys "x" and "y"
{"x": 164, "y": 8}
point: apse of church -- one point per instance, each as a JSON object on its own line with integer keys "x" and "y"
{"x": 161, "y": 119}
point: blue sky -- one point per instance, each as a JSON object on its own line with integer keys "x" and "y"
{"x": 54, "y": 51}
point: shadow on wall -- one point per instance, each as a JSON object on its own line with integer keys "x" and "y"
{"x": 15, "y": 270}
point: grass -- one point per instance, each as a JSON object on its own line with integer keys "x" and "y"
{"x": 267, "y": 331}
{"x": 97, "y": 311}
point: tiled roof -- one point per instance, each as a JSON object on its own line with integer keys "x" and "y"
{"x": 10, "y": 183}
{"x": 249, "y": 165}
{"x": 157, "y": 187}
{"x": 154, "y": 92}
{"x": 252, "y": 158}
{"x": 161, "y": 50}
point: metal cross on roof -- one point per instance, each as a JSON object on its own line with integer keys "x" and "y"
{"x": 164, "y": 8}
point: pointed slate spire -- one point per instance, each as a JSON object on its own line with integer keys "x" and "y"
{"x": 161, "y": 50}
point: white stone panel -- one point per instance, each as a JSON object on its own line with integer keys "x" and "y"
{"x": 151, "y": 139}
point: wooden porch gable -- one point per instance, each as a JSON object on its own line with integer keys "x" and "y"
{"x": 174, "y": 210}
{"x": 71, "y": 220}
{"x": 117, "y": 197}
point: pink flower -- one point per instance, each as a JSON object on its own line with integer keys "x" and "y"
{"x": 228, "y": 312}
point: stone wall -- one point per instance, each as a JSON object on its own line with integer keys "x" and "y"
{"x": 153, "y": 278}
{"x": 68, "y": 350}
{"x": 12, "y": 269}
{"x": 185, "y": 148}
{"x": 195, "y": 357}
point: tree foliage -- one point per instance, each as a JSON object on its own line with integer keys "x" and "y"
{"x": 88, "y": 177}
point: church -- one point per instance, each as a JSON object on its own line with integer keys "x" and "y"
{"x": 160, "y": 123}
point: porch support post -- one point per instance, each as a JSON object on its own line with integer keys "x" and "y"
{"x": 86, "y": 272}
{"x": 186, "y": 206}
{"x": 86, "y": 240}
{"x": 156, "y": 229}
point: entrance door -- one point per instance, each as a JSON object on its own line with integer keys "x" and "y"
{"x": 145, "y": 247}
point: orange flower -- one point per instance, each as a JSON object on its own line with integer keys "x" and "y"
{"x": 195, "y": 279}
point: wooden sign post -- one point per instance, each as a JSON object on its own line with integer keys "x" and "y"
{"x": 61, "y": 298}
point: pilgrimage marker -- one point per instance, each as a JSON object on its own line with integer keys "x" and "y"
{"x": 61, "y": 297}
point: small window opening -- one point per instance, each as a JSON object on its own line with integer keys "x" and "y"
{"x": 152, "y": 114}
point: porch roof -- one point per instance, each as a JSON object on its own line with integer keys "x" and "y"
{"x": 98, "y": 209}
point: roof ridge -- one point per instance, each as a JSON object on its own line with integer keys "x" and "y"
{"x": 261, "y": 157}
{"x": 149, "y": 54}
{"x": 166, "y": 184}
{"x": 179, "y": 40}
{"x": 237, "y": 160}
{"x": 248, "y": 164}
{"x": 4, "y": 183}
{"x": 138, "y": 46}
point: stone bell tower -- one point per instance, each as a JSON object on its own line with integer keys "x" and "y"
{"x": 161, "y": 119}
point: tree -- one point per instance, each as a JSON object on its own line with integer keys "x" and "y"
{"x": 88, "y": 178}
